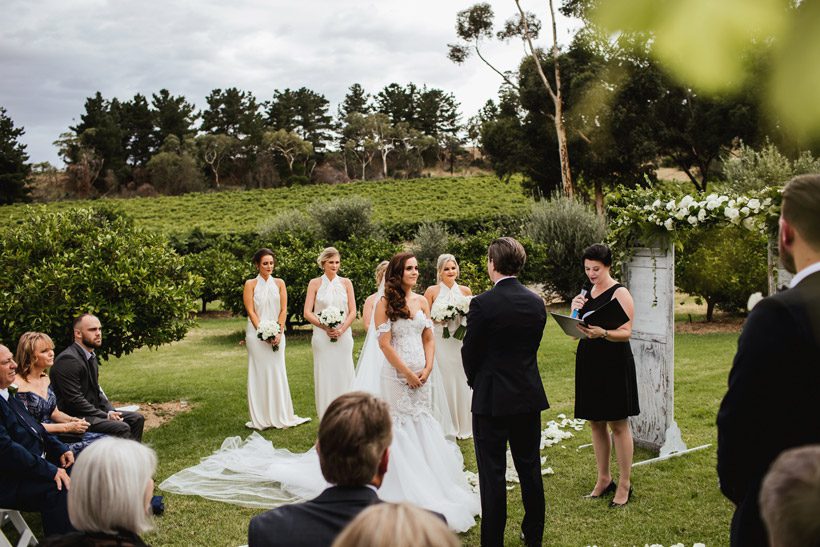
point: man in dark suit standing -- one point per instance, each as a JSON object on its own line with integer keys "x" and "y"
{"x": 353, "y": 446}
{"x": 75, "y": 379}
{"x": 504, "y": 329}
{"x": 33, "y": 470}
{"x": 774, "y": 385}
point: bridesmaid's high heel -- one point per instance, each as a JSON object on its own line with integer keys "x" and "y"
{"x": 608, "y": 490}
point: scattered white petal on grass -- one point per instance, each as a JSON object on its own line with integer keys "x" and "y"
{"x": 699, "y": 545}
{"x": 547, "y": 471}
{"x": 678, "y": 545}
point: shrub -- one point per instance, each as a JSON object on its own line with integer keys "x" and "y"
{"x": 563, "y": 227}
{"x": 54, "y": 266}
{"x": 292, "y": 221}
{"x": 343, "y": 218}
{"x": 173, "y": 173}
{"x": 431, "y": 240}
{"x": 755, "y": 169}
{"x": 723, "y": 265}
{"x": 218, "y": 268}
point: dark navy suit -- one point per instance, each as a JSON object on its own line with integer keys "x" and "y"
{"x": 26, "y": 477}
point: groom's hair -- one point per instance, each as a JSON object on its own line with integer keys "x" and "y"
{"x": 790, "y": 497}
{"x": 801, "y": 207}
{"x": 508, "y": 255}
{"x": 353, "y": 435}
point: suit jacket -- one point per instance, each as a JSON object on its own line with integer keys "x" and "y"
{"x": 772, "y": 401}
{"x": 504, "y": 329}
{"x": 313, "y": 523}
{"x": 22, "y": 442}
{"x": 76, "y": 384}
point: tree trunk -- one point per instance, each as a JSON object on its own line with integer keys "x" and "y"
{"x": 364, "y": 173}
{"x": 204, "y": 305}
{"x": 710, "y": 310}
{"x": 599, "y": 197}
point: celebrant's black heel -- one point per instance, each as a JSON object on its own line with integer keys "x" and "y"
{"x": 613, "y": 505}
{"x": 608, "y": 490}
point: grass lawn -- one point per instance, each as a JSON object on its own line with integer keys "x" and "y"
{"x": 675, "y": 501}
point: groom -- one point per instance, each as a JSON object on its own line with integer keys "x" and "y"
{"x": 504, "y": 328}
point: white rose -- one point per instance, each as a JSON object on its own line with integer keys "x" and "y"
{"x": 745, "y": 211}
{"x": 670, "y": 205}
{"x": 681, "y": 213}
{"x": 767, "y": 202}
{"x": 731, "y": 203}
{"x": 669, "y": 224}
{"x": 731, "y": 213}
{"x": 711, "y": 197}
{"x": 656, "y": 203}
{"x": 749, "y": 223}
{"x": 754, "y": 203}
{"x": 702, "y": 215}
{"x": 693, "y": 220}
{"x": 686, "y": 201}
{"x": 711, "y": 205}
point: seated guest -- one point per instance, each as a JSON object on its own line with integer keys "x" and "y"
{"x": 396, "y": 525}
{"x": 790, "y": 498}
{"x": 110, "y": 498}
{"x": 35, "y": 355}
{"x": 75, "y": 379}
{"x": 33, "y": 470}
{"x": 353, "y": 441}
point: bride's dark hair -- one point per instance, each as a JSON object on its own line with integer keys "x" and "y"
{"x": 393, "y": 291}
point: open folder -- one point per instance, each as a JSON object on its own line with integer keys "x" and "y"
{"x": 610, "y": 316}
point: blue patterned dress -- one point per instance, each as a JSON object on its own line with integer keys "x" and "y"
{"x": 42, "y": 409}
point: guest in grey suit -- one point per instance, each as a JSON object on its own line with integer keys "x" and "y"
{"x": 353, "y": 446}
{"x": 75, "y": 379}
{"x": 774, "y": 385}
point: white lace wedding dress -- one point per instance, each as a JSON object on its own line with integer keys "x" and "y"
{"x": 425, "y": 468}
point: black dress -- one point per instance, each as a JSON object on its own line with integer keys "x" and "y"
{"x": 606, "y": 388}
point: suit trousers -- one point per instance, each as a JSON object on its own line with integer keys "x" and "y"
{"x": 40, "y": 495}
{"x": 490, "y": 434}
{"x": 130, "y": 427}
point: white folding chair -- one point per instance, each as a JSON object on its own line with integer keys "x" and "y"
{"x": 16, "y": 519}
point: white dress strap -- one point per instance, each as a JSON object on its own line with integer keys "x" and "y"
{"x": 384, "y": 327}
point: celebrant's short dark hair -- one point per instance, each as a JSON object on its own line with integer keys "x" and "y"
{"x": 599, "y": 253}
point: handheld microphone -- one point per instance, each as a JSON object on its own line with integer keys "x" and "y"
{"x": 584, "y": 292}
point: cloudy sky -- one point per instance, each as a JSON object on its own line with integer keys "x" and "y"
{"x": 54, "y": 54}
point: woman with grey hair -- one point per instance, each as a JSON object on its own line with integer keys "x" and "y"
{"x": 109, "y": 502}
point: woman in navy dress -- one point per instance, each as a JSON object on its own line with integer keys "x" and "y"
{"x": 35, "y": 355}
{"x": 606, "y": 389}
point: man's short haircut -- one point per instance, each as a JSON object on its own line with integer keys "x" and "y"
{"x": 801, "y": 207}
{"x": 508, "y": 256}
{"x": 790, "y": 498}
{"x": 353, "y": 435}
{"x": 108, "y": 487}
{"x": 79, "y": 319}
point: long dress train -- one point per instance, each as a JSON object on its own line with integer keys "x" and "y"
{"x": 425, "y": 468}
{"x": 269, "y": 400}
{"x": 332, "y": 361}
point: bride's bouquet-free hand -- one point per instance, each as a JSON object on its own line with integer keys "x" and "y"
{"x": 453, "y": 312}
{"x": 268, "y": 330}
{"x": 331, "y": 317}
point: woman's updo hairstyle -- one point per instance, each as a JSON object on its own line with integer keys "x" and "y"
{"x": 599, "y": 253}
{"x": 262, "y": 253}
{"x": 393, "y": 290}
{"x": 327, "y": 254}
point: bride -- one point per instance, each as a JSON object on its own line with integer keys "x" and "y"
{"x": 425, "y": 468}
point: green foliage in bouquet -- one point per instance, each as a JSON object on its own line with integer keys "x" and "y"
{"x": 723, "y": 265}
{"x": 54, "y": 266}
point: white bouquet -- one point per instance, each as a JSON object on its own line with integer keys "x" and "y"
{"x": 268, "y": 330}
{"x": 331, "y": 317}
{"x": 453, "y": 310}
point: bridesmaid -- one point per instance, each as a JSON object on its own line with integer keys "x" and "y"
{"x": 266, "y": 299}
{"x": 35, "y": 355}
{"x": 332, "y": 347}
{"x": 370, "y": 303}
{"x": 448, "y": 350}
